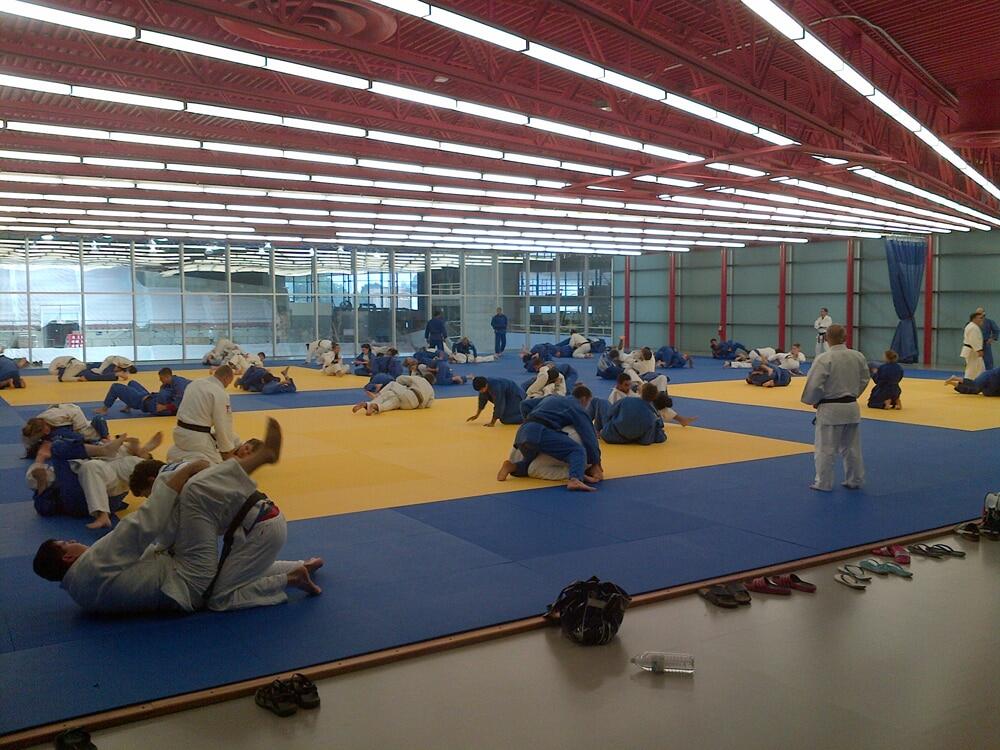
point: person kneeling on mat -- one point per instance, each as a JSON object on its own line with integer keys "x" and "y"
{"x": 164, "y": 557}
{"x": 542, "y": 433}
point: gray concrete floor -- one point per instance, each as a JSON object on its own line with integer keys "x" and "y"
{"x": 909, "y": 663}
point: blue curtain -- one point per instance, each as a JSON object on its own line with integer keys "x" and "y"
{"x": 906, "y": 273}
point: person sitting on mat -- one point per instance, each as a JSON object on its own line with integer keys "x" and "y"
{"x": 886, "y": 393}
{"x": 164, "y": 557}
{"x": 331, "y": 363}
{"x": 664, "y": 405}
{"x": 986, "y": 383}
{"x": 387, "y": 363}
{"x": 767, "y": 376}
{"x": 61, "y": 420}
{"x": 792, "y": 360}
{"x": 667, "y": 357}
{"x": 163, "y": 403}
{"x": 630, "y": 420}
{"x": 542, "y": 433}
{"x": 505, "y": 395}
{"x": 638, "y": 362}
{"x": 362, "y": 363}
{"x": 405, "y": 392}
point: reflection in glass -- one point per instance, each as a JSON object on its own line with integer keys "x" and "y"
{"x": 55, "y": 326}
{"x": 295, "y": 324}
{"x": 599, "y": 293}
{"x": 250, "y": 268}
{"x": 480, "y": 299}
{"x": 54, "y": 266}
{"x": 205, "y": 268}
{"x": 375, "y": 303}
{"x": 13, "y": 271}
{"x": 335, "y": 276}
{"x": 108, "y": 328}
{"x": 252, "y": 317}
{"x": 107, "y": 268}
{"x": 14, "y": 324}
{"x": 158, "y": 331}
{"x": 336, "y": 321}
{"x": 206, "y": 320}
{"x": 157, "y": 266}
{"x": 446, "y": 274}
{"x": 410, "y": 324}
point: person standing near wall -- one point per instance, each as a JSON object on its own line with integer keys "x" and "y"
{"x": 436, "y": 331}
{"x": 972, "y": 346}
{"x": 991, "y": 334}
{"x": 836, "y": 380}
{"x": 822, "y": 325}
{"x": 499, "y": 325}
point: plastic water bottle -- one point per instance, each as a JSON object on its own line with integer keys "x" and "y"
{"x": 660, "y": 662}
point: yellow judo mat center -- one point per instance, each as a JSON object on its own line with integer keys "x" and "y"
{"x": 926, "y": 402}
{"x": 46, "y": 389}
{"x": 334, "y": 461}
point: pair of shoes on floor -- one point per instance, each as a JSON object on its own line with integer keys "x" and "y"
{"x": 936, "y": 551}
{"x": 285, "y": 697}
{"x": 726, "y": 595}
{"x": 782, "y": 585}
{"x": 884, "y": 568}
{"x": 973, "y": 531}
{"x": 896, "y": 552}
{"x": 856, "y": 576}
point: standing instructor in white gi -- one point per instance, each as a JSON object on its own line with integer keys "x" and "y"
{"x": 822, "y": 325}
{"x": 837, "y": 378}
{"x": 205, "y": 406}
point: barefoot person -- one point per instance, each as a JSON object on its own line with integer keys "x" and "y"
{"x": 542, "y": 433}
{"x": 886, "y": 376}
{"x": 134, "y": 395}
{"x": 405, "y": 392}
{"x": 164, "y": 557}
{"x": 205, "y": 408}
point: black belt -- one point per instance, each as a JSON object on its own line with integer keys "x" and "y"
{"x": 227, "y": 541}
{"x": 194, "y": 427}
{"x": 838, "y": 400}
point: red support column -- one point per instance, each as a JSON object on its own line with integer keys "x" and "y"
{"x": 627, "y": 323}
{"x": 782, "y": 289}
{"x": 929, "y": 300}
{"x": 672, "y": 300}
{"x": 849, "y": 315}
{"x": 723, "y": 296}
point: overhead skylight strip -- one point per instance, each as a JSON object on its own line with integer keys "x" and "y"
{"x": 777, "y": 17}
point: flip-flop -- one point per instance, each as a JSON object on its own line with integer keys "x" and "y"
{"x": 792, "y": 581}
{"x": 765, "y": 585}
{"x": 925, "y": 551}
{"x": 719, "y": 596}
{"x": 855, "y": 571}
{"x": 739, "y": 592}
{"x": 895, "y": 551}
{"x": 969, "y": 531}
{"x": 885, "y": 568}
{"x": 851, "y": 582}
{"x": 947, "y": 550}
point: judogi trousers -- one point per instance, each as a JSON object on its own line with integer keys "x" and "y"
{"x": 396, "y": 396}
{"x": 844, "y": 440}
{"x": 974, "y": 366}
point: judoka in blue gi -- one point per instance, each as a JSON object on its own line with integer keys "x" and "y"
{"x": 272, "y": 385}
{"x": 886, "y": 393}
{"x": 609, "y": 366}
{"x": 377, "y": 381}
{"x": 387, "y": 363}
{"x": 134, "y": 395}
{"x": 542, "y": 433}
{"x": 10, "y": 371}
{"x": 362, "y": 362}
{"x": 62, "y": 421}
{"x": 58, "y": 484}
{"x": 441, "y": 370}
{"x": 668, "y": 357}
{"x": 542, "y": 352}
{"x": 727, "y": 349}
{"x": 630, "y": 420}
{"x": 986, "y": 383}
{"x": 505, "y": 395}
{"x": 769, "y": 377}
{"x": 252, "y": 379}
{"x": 991, "y": 334}
{"x": 466, "y": 347}
{"x": 499, "y": 325}
{"x": 428, "y": 356}
{"x": 436, "y": 331}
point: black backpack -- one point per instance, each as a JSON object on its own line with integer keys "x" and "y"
{"x": 590, "y": 612}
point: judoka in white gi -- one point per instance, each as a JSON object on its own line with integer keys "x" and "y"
{"x": 973, "y": 346}
{"x": 405, "y": 392}
{"x": 822, "y": 325}
{"x": 316, "y": 349}
{"x": 581, "y": 345}
{"x": 548, "y": 382}
{"x": 164, "y": 556}
{"x": 836, "y": 380}
{"x": 222, "y": 349}
{"x": 61, "y": 419}
{"x": 331, "y": 362}
{"x": 205, "y": 408}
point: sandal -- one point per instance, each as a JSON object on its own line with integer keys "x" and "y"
{"x": 764, "y": 585}
{"x": 968, "y": 530}
{"x": 895, "y": 551}
{"x": 885, "y": 568}
{"x": 925, "y": 551}
{"x": 719, "y": 596}
{"x": 792, "y": 581}
{"x": 739, "y": 592}
{"x": 854, "y": 571}
{"x": 306, "y": 694}
{"x": 74, "y": 739}
{"x": 947, "y": 551}
{"x": 852, "y": 582}
{"x": 278, "y": 698}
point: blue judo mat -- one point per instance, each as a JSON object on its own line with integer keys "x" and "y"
{"x": 403, "y": 575}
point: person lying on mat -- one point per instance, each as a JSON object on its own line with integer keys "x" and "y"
{"x": 439, "y": 368}
{"x": 548, "y": 382}
{"x": 727, "y": 350}
{"x": 134, "y": 395}
{"x": 10, "y": 372}
{"x": 542, "y": 433}
{"x": 61, "y": 420}
{"x": 331, "y": 363}
{"x": 72, "y": 478}
{"x": 639, "y": 361}
{"x": 464, "y": 352}
{"x": 792, "y": 360}
{"x": 986, "y": 383}
{"x": 576, "y": 345}
{"x": 625, "y": 387}
{"x": 886, "y": 376}
{"x": 70, "y": 368}
{"x": 405, "y": 392}
{"x": 388, "y": 363}
{"x": 609, "y": 365}
{"x": 667, "y": 357}
{"x": 220, "y": 352}
{"x": 629, "y": 420}
{"x": 165, "y": 558}
{"x": 316, "y": 349}
{"x": 273, "y": 385}
{"x": 767, "y": 376}
{"x": 505, "y": 395}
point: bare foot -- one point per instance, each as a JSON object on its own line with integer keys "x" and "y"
{"x": 101, "y": 521}
{"x": 101, "y": 410}
{"x": 272, "y": 440}
{"x": 299, "y": 578}
{"x": 358, "y": 407}
{"x": 506, "y": 469}
{"x": 41, "y": 477}
{"x": 887, "y": 406}
{"x": 110, "y": 448}
{"x": 575, "y": 485}
{"x": 313, "y": 564}
{"x": 152, "y": 444}
{"x": 685, "y": 421}
{"x": 284, "y": 373}
{"x": 371, "y": 408}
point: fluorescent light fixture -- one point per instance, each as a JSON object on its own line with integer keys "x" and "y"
{"x": 562, "y": 60}
{"x": 587, "y": 168}
{"x": 321, "y": 127}
{"x": 894, "y": 111}
{"x": 123, "y": 97}
{"x": 669, "y": 153}
{"x": 461, "y": 148}
{"x": 688, "y": 105}
{"x": 855, "y": 80}
{"x": 476, "y": 29}
{"x": 183, "y": 44}
{"x": 820, "y": 52}
{"x": 236, "y": 148}
{"x": 234, "y": 114}
{"x": 44, "y": 129}
{"x": 771, "y": 137}
{"x": 127, "y": 163}
{"x": 32, "y": 84}
{"x": 155, "y": 140}
{"x": 319, "y": 158}
{"x": 202, "y": 169}
{"x": 394, "y": 166}
{"x": 736, "y": 169}
{"x": 63, "y": 18}
{"x": 777, "y": 17}
{"x": 412, "y": 95}
{"x": 410, "y": 7}
{"x": 405, "y": 140}
{"x": 272, "y": 175}
{"x": 316, "y": 74}
{"x": 98, "y": 182}
{"x": 614, "y": 140}
{"x": 492, "y": 113}
{"x": 457, "y": 173}
{"x": 549, "y": 126}
{"x": 633, "y": 86}
{"x": 735, "y": 123}
{"x": 526, "y": 159}
{"x": 34, "y": 156}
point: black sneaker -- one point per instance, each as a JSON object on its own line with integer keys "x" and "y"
{"x": 278, "y": 698}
